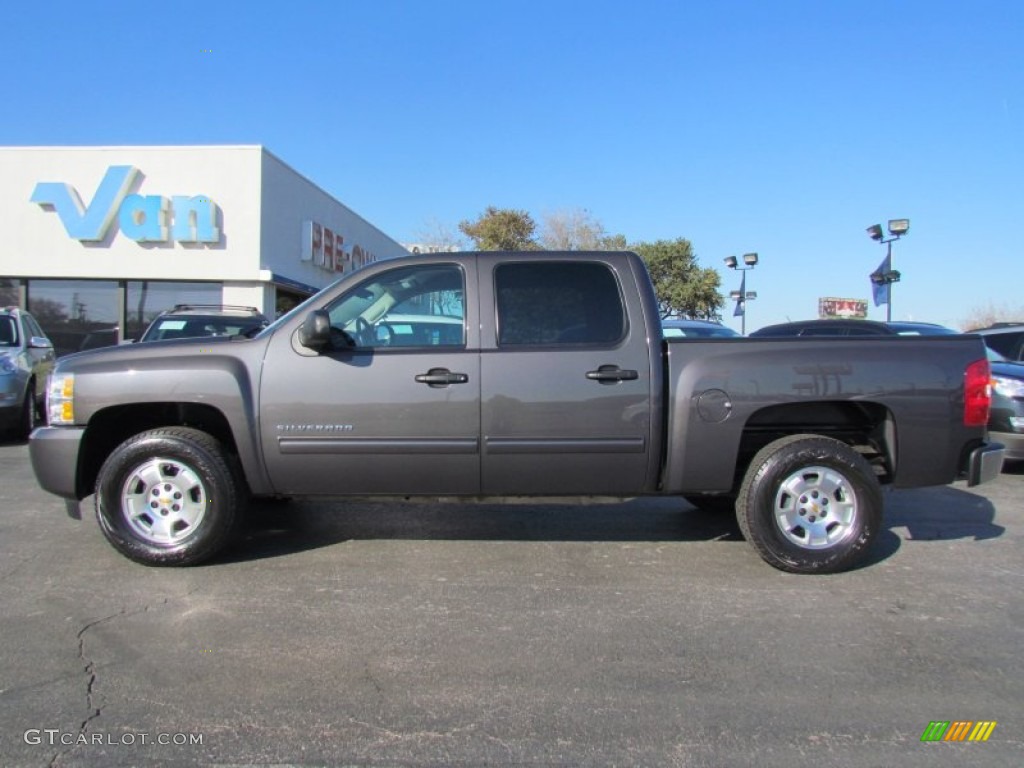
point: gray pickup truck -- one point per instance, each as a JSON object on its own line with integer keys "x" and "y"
{"x": 511, "y": 374}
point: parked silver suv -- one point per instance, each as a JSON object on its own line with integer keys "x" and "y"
{"x": 186, "y": 321}
{"x": 26, "y": 359}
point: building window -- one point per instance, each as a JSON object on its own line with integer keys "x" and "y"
{"x": 9, "y": 291}
{"x": 76, "y": 314}
{"x": 86, "y": 314}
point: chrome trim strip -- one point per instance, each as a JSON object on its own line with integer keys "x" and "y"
{"x": 521, "y": 445}
{"x": 383, "y": 445}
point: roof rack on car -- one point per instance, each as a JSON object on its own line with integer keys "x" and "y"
{"x": 183, "y": 307}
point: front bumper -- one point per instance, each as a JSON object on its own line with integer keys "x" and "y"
{"x": 985, "y": 463}
{"x": 12, "y": 395}
{"x": 10, "y": 416}
{"x": 54, "y": 455}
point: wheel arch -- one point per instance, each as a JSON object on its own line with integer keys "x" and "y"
{"x": 715, "y": 457}
{"x": 867, "y": 427}
{"x": 111, "y": 426}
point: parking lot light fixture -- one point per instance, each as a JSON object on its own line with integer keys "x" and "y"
{"x": 899, "y": 227}
{"x": 742, "y": 296}
{"x": 883, "y": 277}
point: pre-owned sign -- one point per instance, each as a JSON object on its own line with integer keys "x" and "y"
{"x": 326, "y": 249}
{"x": 143, "y": 218}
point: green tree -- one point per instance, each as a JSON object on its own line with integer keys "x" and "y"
{"x": 613, "y": 243}
{"x": 683, "y": 288}
{"x": 501, "y": 229}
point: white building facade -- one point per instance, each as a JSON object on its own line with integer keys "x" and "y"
{"x": 99, "y": 240}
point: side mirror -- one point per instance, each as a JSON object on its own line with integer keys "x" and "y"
{"x": 315, "y": 331}
{"x": 40, "y": 342}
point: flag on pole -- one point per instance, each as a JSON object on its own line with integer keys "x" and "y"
{"x": 741, "y": 302}
{"x": 879, "y": 285}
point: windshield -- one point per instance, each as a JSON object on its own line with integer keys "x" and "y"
{"x": 194, "y": 326}
{"x": 8, "y": 332}
{"x": 699, "y": 332}
{"x": 995, "y": 357}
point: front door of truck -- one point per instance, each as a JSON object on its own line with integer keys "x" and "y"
{"x": 392, "y": 407}
{"x": 566, "y": 384}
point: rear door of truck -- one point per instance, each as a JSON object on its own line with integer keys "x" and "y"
{"x": 566, "y": 391}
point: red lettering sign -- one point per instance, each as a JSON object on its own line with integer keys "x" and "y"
{"x": 328, "y": 249}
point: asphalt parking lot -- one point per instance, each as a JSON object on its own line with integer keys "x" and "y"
{"x": 638, "y": 633}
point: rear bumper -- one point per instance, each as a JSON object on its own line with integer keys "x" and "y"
{"x": 1014, "y": 444}
{"x": 54, "y": 455}
{"x": 985, "y": 463}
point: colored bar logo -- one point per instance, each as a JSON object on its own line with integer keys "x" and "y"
{"x": 958, "y": 730}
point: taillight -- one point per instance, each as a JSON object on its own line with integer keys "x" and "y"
{"x": 977, "y": 393}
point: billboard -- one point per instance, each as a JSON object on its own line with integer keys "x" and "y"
{"x": 833, "y": 307}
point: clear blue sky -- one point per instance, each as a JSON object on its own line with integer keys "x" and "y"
{"x": 783, "y": 127}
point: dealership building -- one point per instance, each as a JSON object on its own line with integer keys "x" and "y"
{"x": 99, "y": 240}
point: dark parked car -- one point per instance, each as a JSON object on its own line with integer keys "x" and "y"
{"x": 696, "y": 329}
{"x": 1006, "y": 419}
{"x": 853, "y": 328}
{"x": 26, "y": 359}
{"x": 187, "y": 321}
{"x": 1005, "y": 338}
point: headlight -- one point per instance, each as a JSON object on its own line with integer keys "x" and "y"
{"x": 1008, "y": 387}
{"x": 60, "y": 399}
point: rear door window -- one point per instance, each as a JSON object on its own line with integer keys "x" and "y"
{"x": 545, "y": 303}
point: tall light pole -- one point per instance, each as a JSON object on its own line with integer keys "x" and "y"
{"x": 742, "y": 296}
{"x": 883, "y": 277}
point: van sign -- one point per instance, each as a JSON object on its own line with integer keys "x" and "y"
{"x": 143, "y": 218}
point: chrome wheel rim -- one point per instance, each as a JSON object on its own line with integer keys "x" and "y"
{"x": 163, "y": 501}
{"x": 816, "y": 508}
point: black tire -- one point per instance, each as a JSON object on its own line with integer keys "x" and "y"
{"x": 810, "y": 504}
{"x": 719, "y": 505}
{"x": 169, "y": 497}
{"x": 29, "y": 412}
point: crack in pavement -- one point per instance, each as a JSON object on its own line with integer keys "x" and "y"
{"x": 89, "y": 667}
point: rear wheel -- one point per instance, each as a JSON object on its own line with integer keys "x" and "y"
{"x": 168, "y": 497}
{"x": 810, "y": 504}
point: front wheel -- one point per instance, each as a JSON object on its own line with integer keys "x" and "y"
{"x": 29, "y": 412}
{"x": 810, "y": 504}
{"x": 168, "y": 497}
